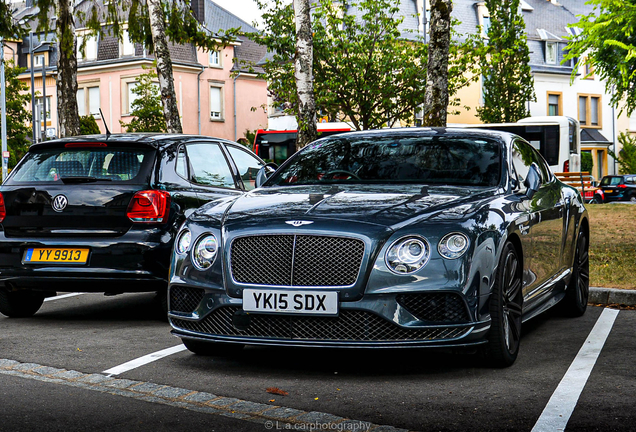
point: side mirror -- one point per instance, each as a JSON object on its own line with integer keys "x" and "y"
{"x": 264, "y": 173}
{"x": 532, "y": 181}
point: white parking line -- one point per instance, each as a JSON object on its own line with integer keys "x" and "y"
{"x": 557, "y": 412}
{"x": 62, "y": 296}
{"x": 133, "y": 364}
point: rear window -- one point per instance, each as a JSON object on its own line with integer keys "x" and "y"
{"x": 611, "y": 181}
{"x": 61, "y": 165}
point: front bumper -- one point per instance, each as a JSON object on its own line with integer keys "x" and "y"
{"x": 440, "y": 319}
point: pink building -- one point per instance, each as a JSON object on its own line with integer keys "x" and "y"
{"x": 218, "y": 93}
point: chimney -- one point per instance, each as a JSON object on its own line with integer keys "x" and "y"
{"x": 198, "y": 9}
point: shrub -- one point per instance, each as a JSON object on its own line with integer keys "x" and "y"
{"x": 88, "y": 125}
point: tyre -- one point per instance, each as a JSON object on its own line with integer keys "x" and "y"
{"x": 506, "y": 301}
{"x": 21, "y": 303}
{"x": 578, "y": 291}
{"x": 596, "y": 200}
{"x": 218, "y": 349}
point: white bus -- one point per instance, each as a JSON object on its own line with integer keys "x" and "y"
{"x": 556, "y": 137}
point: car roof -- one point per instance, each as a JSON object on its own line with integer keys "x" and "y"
{"x": 155, "y": 140}
{"x": 428, "y": 131}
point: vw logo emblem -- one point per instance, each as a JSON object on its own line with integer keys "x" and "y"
{"x": 59, "y": 203}
{"x": 298, "y": 223}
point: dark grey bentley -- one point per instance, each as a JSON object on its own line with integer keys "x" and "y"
{"x": 392, "y": 238}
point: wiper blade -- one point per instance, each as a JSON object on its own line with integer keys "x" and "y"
{"x": 82, "y": 179}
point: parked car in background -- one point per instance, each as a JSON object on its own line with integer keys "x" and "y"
{"x": 99, "y": 213}
{"x": 379, "y": 239}
{"x": 618, "y": 188}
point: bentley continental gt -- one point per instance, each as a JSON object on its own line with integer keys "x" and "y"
{"x": 427, "y": 237}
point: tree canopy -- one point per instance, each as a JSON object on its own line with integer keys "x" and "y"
{"x": 508, "y": 84}
{"x": 607, "y": 43}
{"x": 17, "y": 115}
{"x": 366, "y": 70}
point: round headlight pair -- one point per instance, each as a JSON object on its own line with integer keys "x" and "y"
{"x": 204, "y": 251}
{"x": 409, "y": 254}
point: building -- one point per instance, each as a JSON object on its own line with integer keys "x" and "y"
{"x": 218, "y": 93}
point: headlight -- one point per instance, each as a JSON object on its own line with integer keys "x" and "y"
{"x": 408, "y": 254}
{"x": 453, "y": 245}
{"x": 183, "y": 242}
{"x": 205, "y": 251}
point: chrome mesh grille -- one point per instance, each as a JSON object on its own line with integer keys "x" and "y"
{"x": 185, "y": 299}
{"x": 300, "y": 260}
{"x": 349, "y": 326}
{"x": 435, "y": 307}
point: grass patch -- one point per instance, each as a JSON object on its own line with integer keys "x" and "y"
{"x": 612, "y": 245}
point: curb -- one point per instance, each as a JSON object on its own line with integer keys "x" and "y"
{"x": 607, "y": 296}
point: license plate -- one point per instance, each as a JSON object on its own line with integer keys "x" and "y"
{"x": 608, "y": 191}
{"x": 55, "y": 255}
{"x": 293, "y": 302}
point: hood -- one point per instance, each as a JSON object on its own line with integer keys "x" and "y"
{"x": 379, "y": 205}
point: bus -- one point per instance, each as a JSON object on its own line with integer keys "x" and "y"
{"x": 278, "y": 145}
{"x": 558, "y": 139}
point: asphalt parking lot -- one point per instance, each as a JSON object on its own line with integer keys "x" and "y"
{"x": 89, "y": 362}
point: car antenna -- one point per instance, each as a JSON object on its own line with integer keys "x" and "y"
{"x": 106, "y": 126}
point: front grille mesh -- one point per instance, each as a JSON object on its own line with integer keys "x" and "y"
{"x": 349, "y": 326}
{"x": 435, "y": 307}
{"x": 301, "y": 260}
{"x": 185, "y": 299}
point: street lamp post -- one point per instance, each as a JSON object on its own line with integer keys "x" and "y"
{"x": 3, "y": 107}
{"x": 31, "y": 52}
{"x": 44, "y": 100}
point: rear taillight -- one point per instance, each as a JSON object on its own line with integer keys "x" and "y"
{"x": 566, "y": 166}
{"x": 622, "y": 186}
{"x": 149, "y": 206}
{"x": 3, "y": 210}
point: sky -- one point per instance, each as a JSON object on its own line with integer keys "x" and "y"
{"x": 247, "y": 10}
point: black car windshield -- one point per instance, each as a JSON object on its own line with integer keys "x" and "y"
{"x": 444, "y": 160}
{"x": 64, "y": 165}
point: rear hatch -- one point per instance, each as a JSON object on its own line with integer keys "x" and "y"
{"x": 67, "y": 189}
{"x": 613, "y": 187}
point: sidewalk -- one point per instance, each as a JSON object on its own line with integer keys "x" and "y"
{"x": 612, "y": 296}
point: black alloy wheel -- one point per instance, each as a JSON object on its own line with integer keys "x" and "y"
{"x": 20, "y": 303}
{"x": 505, "y": 310}
{"x": 578, "y": 290}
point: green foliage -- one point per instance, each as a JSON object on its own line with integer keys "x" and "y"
{"x": 18, "y": 117}
{"x": 608, "y": 44}
{"x": 626, "y": 158}
{"x": 507, "y": 84}
{"x": 249, "y": 135}
{"x": 365, "y": 71}
{"x": 587, "y": 163}
{"x": 8, "y": 27}
{"x": 88, "y": 125}
{"x": 147, "y": 109}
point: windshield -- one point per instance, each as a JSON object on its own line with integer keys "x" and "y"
{"x": 443, "y": 160}
{"x": 84, "y": 164}
{"x": 611, "y": 181}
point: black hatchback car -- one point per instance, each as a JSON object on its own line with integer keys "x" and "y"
{"x": 619, "y": 188}
{"x": 100, "y": 213}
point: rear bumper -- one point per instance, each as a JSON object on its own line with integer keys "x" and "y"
{"x": 135, "y": 262}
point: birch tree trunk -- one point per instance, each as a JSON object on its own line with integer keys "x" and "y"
{"x": 436, "y": 94}
{"x": 67, "y": 111}
{"x": 164, "y": 66}
{"x": 304, "y": 75}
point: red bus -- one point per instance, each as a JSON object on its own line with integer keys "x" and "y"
{"x": 278, "y": 145}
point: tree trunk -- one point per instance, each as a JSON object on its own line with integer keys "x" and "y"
{"x": 304, "y": 75}
{"x": 67, "y": 111}
{"x": 164, "y": 66}
{"x": 436, "y": 94}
